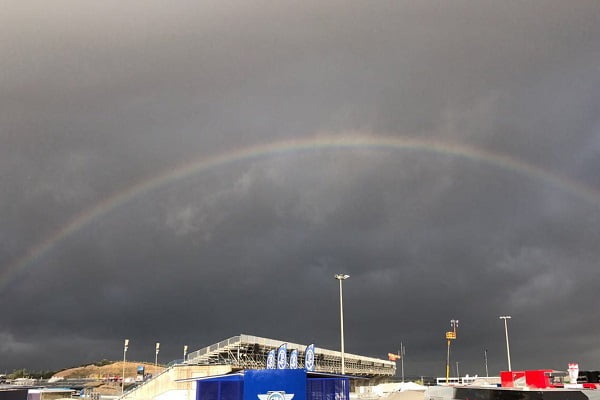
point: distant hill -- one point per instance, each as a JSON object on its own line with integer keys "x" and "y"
{"x": 100, "y": 375}
{"x": 105, "y": 371}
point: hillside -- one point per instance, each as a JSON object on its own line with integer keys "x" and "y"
{"x": 105, "y": 371}
{"x": 99, "y": 376}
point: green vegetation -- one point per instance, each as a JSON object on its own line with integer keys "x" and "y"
{"x": 47, "y": 374}
{"x": 104, "y": 362}
{"x": 23, "y": 373}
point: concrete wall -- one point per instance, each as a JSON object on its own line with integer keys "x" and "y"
{"x": 166, "y": 387}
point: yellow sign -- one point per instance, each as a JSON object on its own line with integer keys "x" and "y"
{"x": 450, "y": 335}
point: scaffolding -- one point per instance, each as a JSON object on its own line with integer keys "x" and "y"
{"x": 250, "y": 352}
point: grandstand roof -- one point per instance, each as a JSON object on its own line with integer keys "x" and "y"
{"x": 250, "y": 352}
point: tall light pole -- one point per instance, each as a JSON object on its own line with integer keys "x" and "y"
{"x": 457, "y": 373}
{"x": 505, "y": 317}
{"x": 124, "y": 358}
{"x": 402, "y": 353}
{"x": 156, "y": 356}
{"x": 486, "y": 366}
{"x": 340, "y": 278}
{"x": 450, "y": 335}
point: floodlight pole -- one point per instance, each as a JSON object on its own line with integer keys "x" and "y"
{"x": 451, "y": 335}
{"x": 340, "y": 278}
{"x": 124, "y": 360}
{"x": 156, "y": 355}
{"x": 506, "y": 317}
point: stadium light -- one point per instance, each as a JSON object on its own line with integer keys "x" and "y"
{"x": 156, "y": 356}
{"x": 450, "y": 335}
{"x": 340, "y": 278}
{"x": 124, "y": 359}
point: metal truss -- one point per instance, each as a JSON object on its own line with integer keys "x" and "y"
{"x": 250, "y": 352}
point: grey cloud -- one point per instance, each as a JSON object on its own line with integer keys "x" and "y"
{"x": 96, "y": 98}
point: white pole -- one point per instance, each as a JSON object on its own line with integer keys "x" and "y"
{"x": 341, "y": 277}
{"x": 457, "y": 373}
{"x": 342, "y": 327}
{"x": 402, "y": 359}
{"x": 124, "y": 358}
{"x": 486, "y": 365}
{"x": 156, "y": 356}
{"x": 505, "y": 317}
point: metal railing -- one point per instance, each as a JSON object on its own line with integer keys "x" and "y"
{"x": 145, "y": 382}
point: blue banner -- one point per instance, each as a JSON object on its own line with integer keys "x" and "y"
{"x": 294, "y": 359}
{"x": 282, "y": 357}
{"x": 309, "y": 357}
{"x": 284, "y": 384}
{"x": 271, "y": 359}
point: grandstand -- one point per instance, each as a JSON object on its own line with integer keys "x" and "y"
{"x": 250, "y": 352}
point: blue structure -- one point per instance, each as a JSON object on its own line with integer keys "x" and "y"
{"x": 274, "y": 384}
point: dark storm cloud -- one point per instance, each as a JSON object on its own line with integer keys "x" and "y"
{"x": 99, "y": 97}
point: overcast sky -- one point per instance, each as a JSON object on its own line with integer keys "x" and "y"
{"x": 182, "y": 172}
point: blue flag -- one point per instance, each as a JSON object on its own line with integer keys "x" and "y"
{"x": 309, "y": 358}
{"x": 282, "y": 357}
{"x": 271, "y": 359}
{"x": 294, "y": 359}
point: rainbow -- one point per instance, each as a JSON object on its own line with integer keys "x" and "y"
{"x": 278, "y": 148}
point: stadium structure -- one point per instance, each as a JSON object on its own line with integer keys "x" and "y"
{"x": 243, "y": 354}
{"x": 250, "y": 352}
